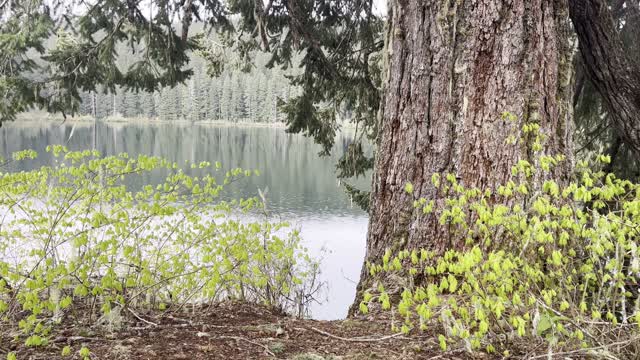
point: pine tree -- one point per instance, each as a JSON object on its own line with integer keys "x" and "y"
{"x": 213, "y": 100}
{"x": 131, "y": 103}
{"x": 226, "y": 98}
{"x": 147, "y": 105}
{"x": 240, "y": 102}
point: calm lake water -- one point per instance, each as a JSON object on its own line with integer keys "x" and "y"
{"x": 302, "y": 187}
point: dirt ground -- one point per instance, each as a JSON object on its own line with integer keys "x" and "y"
{"x": 229, "y": 331}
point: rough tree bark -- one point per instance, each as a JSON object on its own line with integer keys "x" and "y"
{"x": 614, "y": 75}
{"x": 453, "y": 68}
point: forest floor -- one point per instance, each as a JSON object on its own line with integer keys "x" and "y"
{"x": 230, "y": 331}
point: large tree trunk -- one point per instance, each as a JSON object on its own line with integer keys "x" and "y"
{"x": 454, "y": 67}
{"x": 612, "y": 72}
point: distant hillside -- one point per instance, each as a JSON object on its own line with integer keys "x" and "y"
{"x": 233, "y": 96}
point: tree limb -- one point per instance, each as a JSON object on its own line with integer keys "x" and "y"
{"x": 615, "y": 76}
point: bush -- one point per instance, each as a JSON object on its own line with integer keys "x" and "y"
{"x": 541, "y": 261}
{"x": 74, "y": 233}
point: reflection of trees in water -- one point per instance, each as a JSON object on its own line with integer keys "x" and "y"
{"x": 297, "y": 178}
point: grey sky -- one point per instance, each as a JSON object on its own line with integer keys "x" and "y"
{"x": 380, "y": 6}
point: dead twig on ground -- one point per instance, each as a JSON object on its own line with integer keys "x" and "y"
{"x": 72, "y": 339}
{"x": 141, "y": 319}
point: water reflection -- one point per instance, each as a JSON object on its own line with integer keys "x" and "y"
{"x": 301, "y": 186}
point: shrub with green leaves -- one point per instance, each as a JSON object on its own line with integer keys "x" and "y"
{"x": 541, "y": 260}
{"x": 75, "y": 233}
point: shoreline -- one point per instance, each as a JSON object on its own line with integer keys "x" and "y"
{"x": 45, "y": 118}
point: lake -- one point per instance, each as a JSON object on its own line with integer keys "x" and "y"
{"x": 302, "y": 187}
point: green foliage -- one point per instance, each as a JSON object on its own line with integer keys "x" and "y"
{"x": 27, "y": 33}
{"x": 341, "y": 47}
{"x": 560, "y": 262}
{"x": 84, "y": 352}
{"x": 66, "y": 351}
{"x": 74, "y": 233}
{"x": 340, "y": 44}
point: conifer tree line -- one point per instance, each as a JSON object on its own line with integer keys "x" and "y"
{"x": 233, "y": 96}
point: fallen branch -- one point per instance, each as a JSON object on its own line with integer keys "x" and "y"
{"x": 238, "y": 338}
{"x": 161, "y": 326}
{"x": 71, "y": 339}
{"x": 322, "y": 332}
{"x": 141, "y": 319}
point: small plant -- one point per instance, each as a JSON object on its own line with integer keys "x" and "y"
{"x": 84, "y": 353}
{"x": 75, "y": 233}
{"x": 276, "y": 347}
{"x": 66, "y": 351}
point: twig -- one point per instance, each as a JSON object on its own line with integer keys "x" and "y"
{"x": 355, "y": 339}
{"x": 141, "y": 319}
{"x": 70, "y": 339}
{"x": 626, "y": 342}
{"x": 541, "y": 303}
{"x": 161, "y": 326}
{"x": 266, "y": 349}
